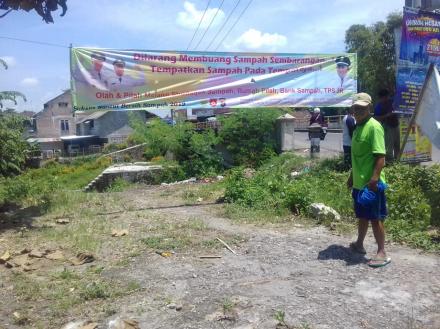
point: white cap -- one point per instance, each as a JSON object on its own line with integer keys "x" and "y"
{"x": 316, "y": 110}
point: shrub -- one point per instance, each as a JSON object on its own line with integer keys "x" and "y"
{"x": 194, "y": 151}
{"x": 270, "y": 188}
{"x": 412, "y": 196}
{"x": 13, "y": 148}
{"x": 249, "y": 135}
{"x": 426, "y": 180}
{"x": 36, "y": 187}
{"x": 298, "y": 199}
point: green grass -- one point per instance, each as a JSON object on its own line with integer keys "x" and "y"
{"x": 227, "y": 305}
{"x": 271, "y": 195}
{"x": 182, "y": 236}
{"x": 37, "y": 187}
{"x": 67, "y": 290}
{"x": 119, "y": 185}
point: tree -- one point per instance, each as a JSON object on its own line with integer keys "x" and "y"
{"x": 9, "y": 95}
{"x": 376, "y": 53}
{"x": 13, "y": 148}
{"x": 43, "y": 8}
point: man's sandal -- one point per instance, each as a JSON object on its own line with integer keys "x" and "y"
{"x": 379, "y": 262}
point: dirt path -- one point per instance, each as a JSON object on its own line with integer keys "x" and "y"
{"x": 307, "y": 273}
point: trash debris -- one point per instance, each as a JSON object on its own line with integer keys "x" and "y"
{"x": 171, "y": 306}
{"x": 118, "y": 233}
{"x": 20, "y": 319}
{"x": 21, "y": 260}
{"x": 27, "y": 268}
{"x": 220, "y": 177}
{"x": 191, "y": 180}
{"x": 55, "y": 255}
{"x": 62, "y": 221}
{"x": 81, "y": 325}
{"x": 165, "y": 253}
{"x": 6, "y": 256}
{"x": 199, "y": 200}
{"x": 82, "y": 258}
{"x": 119, "y": 323}
{"x": 210, "y": 256}
{"x": 226, "y": 245}
{"x": 37, "y": 254}
{"x": 24, "y": 251}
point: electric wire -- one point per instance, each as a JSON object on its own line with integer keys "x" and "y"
{"x": 198, "y": 26}
{"x": 36, "y": 42}
{"x": 212, "y": 20}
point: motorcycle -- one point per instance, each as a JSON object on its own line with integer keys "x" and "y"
{"x": 317, "y": 134}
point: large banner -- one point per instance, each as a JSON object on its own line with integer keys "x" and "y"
{"x": 417, "y": 148}
{"x": 104, "y": 79}
{"x": 420, "y": 46}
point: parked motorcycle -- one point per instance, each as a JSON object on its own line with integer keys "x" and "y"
{"x": 317, "y": 133}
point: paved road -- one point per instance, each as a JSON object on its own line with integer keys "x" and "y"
{"x": 332, "y": 146}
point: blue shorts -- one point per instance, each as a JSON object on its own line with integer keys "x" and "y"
{"x": 375, "y": 211}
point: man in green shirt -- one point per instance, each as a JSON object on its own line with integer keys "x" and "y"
{"x": 367, "y": 179}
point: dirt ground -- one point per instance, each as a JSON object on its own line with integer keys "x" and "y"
{"x": 287, "y": 275}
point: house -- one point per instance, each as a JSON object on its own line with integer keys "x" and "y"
{"x": 56, "y": 119}
{"x": 58, "y": 130}
{"x": 112, "y": 126}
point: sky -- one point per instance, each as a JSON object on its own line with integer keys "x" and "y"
{"x": 41, "y": 72}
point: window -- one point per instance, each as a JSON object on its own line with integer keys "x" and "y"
{"x": 64, "y": 125}
{"x": 92, "y": 123}
{"x": 63, "y": 104}
{"x": 46, "y": 106}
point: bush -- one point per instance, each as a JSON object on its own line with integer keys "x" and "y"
{"x": 298, "y": 199}
{"x": 36, "y": 187}
{"x": 270, "y": 188}
{"x": 249, "y": 135}
{"x": 409, "y": 215}
{"x": 426, "y": 180}
{"x": 172, "y": 172}
{"x": 13, "y": 148}
{"x": 336, "y": 164}
{"x": 194, "y": 151}
{"x": 412, "y": 196}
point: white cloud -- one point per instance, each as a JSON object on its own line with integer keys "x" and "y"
{"x": 10, "y": 61}
{"x": 191, "y": 17}
{"x": 254, "y": 39}
{"x": 31, "y": 82}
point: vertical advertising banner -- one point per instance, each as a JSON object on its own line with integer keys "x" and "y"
{"x": 109, "y": 79}
{"x": 420, "y": 46}
{"x": 417, "y": 148}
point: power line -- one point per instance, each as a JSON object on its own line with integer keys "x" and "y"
{"x": 224, "y": 24}
{"x": 197, "y": 29}
{"x": 212, "y": 20}
{"x": 233, "y": 25}
{"x": 36, "y": 42}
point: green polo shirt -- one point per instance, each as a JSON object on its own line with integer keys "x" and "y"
{"x": 368, "y": 141}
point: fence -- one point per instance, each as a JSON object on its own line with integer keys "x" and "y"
{"x": 332, "y": 122}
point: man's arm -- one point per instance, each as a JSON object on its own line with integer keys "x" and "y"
{"x": 378, "y": 166}
{"x": 351, "y": 125}
{"x": 383, "y": 111}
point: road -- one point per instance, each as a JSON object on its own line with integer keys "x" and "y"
{"x": 332, "y": 146}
